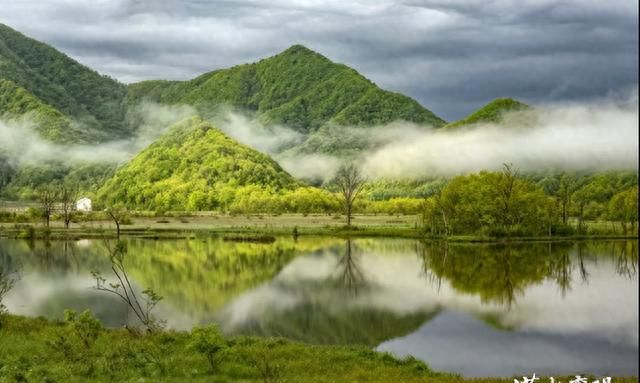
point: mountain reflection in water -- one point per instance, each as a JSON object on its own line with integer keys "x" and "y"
{"x": 478, "y": 309}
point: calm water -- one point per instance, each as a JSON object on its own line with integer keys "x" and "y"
{"x": 474, "y": 309}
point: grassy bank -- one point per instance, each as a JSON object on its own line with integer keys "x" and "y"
{"x": 80, "y": 350}
{"x": 181, "y": 226}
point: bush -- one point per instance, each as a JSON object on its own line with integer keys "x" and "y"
{"x": 208, "y": 341}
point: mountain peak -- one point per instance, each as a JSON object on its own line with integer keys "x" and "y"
{"x": 491, "y": 112}
{"x": 300, "y": 51}
{"x": 298, "y": 48}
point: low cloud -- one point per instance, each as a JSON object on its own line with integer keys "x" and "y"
{"x": 268, "y": 139}
{"x": 597, "y": 136}
{"x": 22, "y": 145}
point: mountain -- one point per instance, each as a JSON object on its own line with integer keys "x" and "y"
{"x": 298, "y": 88}
{"x": 192, "y": 167}
{"x": 20, "y": 106}
{"x": 67, "y": 102}
{"x": 67, "y": 87}
{"x": 493, "y": 112}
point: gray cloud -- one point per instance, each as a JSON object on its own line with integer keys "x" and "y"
{"x": 452, "y": 56}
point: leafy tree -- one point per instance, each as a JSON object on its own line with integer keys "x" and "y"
{"x": 623, "y": 208}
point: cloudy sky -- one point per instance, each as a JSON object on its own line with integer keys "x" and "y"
{"x": 451, "y": 55}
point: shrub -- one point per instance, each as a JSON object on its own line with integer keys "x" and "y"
{"x": 208, "y": 341}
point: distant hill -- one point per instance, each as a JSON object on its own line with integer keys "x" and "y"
{"x": 298, "y": 88}
{"x": 493, "y": 112}
{"x": 192, "y": 167}
{"x": 61, "y": 82}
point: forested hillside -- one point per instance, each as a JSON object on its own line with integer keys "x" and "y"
{"x": 193, "y": 167}
{"x": 298, "y": 88}
{"x": 94, "y": 100}
{"x": 22, "y": 107}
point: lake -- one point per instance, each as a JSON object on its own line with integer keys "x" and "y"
{"x": 475, "y": 309}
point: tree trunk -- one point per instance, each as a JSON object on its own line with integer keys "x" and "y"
{"x": 446, "y": 224}
{"x": 117, "y": 230}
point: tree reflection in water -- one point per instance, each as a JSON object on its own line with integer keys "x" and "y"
{"x": 500, "y": 273}
{"x": 352, "y": 276}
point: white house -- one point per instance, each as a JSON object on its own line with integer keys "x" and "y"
{"x": 83, "y": 204}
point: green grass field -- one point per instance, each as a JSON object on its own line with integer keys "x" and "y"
{"x": 80, "y": 350}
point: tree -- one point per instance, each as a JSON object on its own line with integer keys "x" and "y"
{"x": 565, "y": 191}
{"x": 118, "y": 215}
{"x": 623, "y": 208}
{"x": 68, "y": 197}
{"x": 143, "y": 306}
{"x": 47, "y": 197}
{"x": 505, "y": 189}
{"x": 7, "y": 281}
{"x": 350, "y": 182}
{"x": 581, "y": 198}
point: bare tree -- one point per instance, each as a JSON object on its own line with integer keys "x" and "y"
{"x": 68, "y": 197}
{"x": 118, "y": 214}
{"x": 350, "y": 182}
{"x": 47, "y": 197}
{"x": 351, "y": 275}
{"x": 7, "y": 281}
{"x": 143, "y": 306}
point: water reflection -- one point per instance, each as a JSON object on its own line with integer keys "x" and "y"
{"x": 441, "y": 302}
{"x": 352, "y": 277}
{"x": 502, "y": 273}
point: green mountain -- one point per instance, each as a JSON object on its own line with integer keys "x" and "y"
{"x": 493, "y": 112}
{"x": 66, "y": 102}
{"x": 298, "y": 88}
{"x": 89, "y": 98}
{"x": 19, "y": 105}
{"x": 192, "y": 167}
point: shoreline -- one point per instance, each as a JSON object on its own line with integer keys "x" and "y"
{"x": 189, "y": 227}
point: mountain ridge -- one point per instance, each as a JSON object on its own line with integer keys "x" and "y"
{"x": 297, "y": 87}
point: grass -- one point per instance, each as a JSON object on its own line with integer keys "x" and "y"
{"x": 37, "y": 350}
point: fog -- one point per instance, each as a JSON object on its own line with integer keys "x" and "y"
{"x": 601, "y": 135}
{"x": 597, "y": 136}
{"x": 22, "y": 145}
